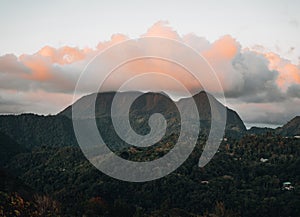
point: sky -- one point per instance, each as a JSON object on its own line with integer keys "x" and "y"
{"x": 254, "y": 47}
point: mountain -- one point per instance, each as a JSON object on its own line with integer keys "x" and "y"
{"x": 57, "y": 130}
{"x": 260, "y": 130}
{"x": 64, "y": 183}
{"x": 150, "y": 103}
{"x": 9, "y": 148}
{"x": 33, "y": 130}
{"x": 291, "y": 128}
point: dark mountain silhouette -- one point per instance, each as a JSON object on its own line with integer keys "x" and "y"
{"x": 150, "y": 103}
{"x": 33, "y": 130}
{"x": 57, "y": 130}
{"x": 260, "y": 130}
{"x": 291, "y": 128}
{"x": 9, "y": 148}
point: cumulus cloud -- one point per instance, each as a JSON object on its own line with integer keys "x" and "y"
{"x": 162, "y": 29}
{"x": 116, "y": 38}
{"x": 256, "y": 78}
{"x": 9, "y": 64}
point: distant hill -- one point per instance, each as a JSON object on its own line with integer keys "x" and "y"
{"x": 260, "y": 130}
{"x": 291, "y": 128}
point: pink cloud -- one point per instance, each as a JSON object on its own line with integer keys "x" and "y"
{"x": 116, "y": 38}
{"x": 162, "y": 29}
{"x": 63, "y": 55}
{"x": 288, "y": 73}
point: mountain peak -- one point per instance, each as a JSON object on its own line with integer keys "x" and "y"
{"x": 153, "y": 102}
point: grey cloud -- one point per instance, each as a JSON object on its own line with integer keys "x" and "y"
{"x": 14, "y": 75}
{"x": 9, "y": 63}
{"x": 198, "y": 43}
{"x": 294, "y": 91}
{"x": 256, "y": 82}
{"x": 11, "y": 106}
{"x": 274, "y": 113}
{"x": 274, "y": 118}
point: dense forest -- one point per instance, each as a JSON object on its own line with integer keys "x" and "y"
{"x": 245, "y": 178}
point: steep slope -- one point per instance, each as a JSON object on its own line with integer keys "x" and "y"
{"x": 150, "y": 103}
{"x": 8, "y": 148}
{"x": 57, "y": 130}
{"x": 291, "y": 128}
{"x": 34, "y": 130}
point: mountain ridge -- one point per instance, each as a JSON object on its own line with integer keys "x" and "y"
{"x": 291, "y": 128}
{"x": 155, "y": 102}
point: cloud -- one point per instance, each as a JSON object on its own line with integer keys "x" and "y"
{"x": 274, "y": 113}
{"x": 200, "y": 44}
{"x": 258, "y": 78}
{"x": 9, "y": 63}
{"x": 294, "y": 91}
{"x": 289, "y": 74}
{"x": 257, "y": 82}
{"x": 116, "y": 38}
{"x": 42, "y": 102}
{"x": 162, "y": 29}
{"x": 31, "y": 72}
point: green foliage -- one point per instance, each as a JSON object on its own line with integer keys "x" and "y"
{"x": 13, "y": 205}
{"x": 33, "y": 130}
{"x": 45, "y": 157}
{"x": 8, "y": 148}
{"x": 236, "y": 182}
